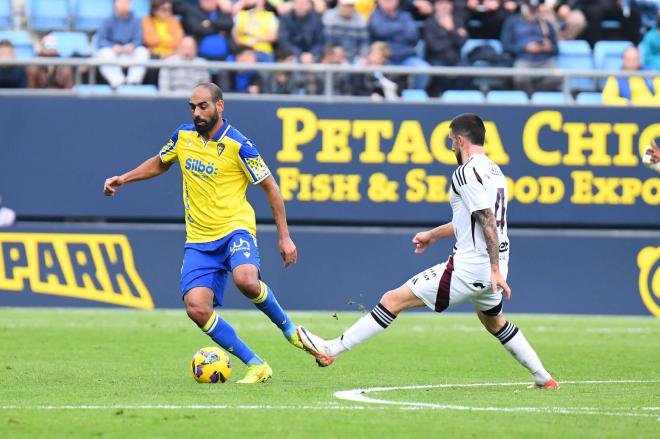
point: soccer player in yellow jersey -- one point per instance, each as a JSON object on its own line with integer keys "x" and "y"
{"x": 217, "y": 163}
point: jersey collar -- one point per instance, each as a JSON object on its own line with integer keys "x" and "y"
{"x": 222, "y": 131}
{"x": 219, "y": 135}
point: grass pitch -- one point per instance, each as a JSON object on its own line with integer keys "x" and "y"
{"x": 117, "y": 373}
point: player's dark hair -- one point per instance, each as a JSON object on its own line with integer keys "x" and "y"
{"x": 214, "y": 89}
{"x": 471, "y": 126}
{"x": 6, "y": 43}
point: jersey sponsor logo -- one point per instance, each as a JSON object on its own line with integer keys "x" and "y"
{"x": 241, "y": 245}
{"x": 648, "y": 261}
{"x": 90, "y": 267}
{"x": 198, "y": 166}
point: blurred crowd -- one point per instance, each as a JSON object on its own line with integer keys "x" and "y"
{"x": 415, "y": 33}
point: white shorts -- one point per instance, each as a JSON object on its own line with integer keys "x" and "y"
{"x": 440, "y": 287}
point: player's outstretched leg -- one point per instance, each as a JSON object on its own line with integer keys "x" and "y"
{"x": 199, "y": 306}
{"x": 246, "y": 278}
{"x": 515, "y": 342}
{"x": 379, "y": 319}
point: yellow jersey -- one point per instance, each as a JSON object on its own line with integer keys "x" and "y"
{"x": 215, "y": 177}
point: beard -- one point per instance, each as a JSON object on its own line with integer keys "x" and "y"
{"x": 204, "y": 126}
{"x": 459, "y": 159}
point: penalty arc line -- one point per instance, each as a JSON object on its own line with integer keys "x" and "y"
{"x": 359, "y": 396}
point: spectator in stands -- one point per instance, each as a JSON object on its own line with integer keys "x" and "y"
{"x": 162, "y": 31}
{"x": 533, "y": 44}
{"x": 244, "y": 81}
{"x": 488, "y": 16}
{"x": 7, "y": 216}
{"x": 633, "y": 90}
{"x": 569, "y": 22}
{"x": 11, "y": 76}
{"x": 344, "y": 26}
{"x": 650, "y": 47}
{"x": 376, "y": 85}
{"x": 625, "y": 12}
{"x": 398, "y": 30}
{"x": 283, "y": 7}
{"x": 282, "y": 82}
{"x": 256, "y": 27}
{"x": 119, "y": 38}
{"x": 301, "y": 31}
{"x": 334, "y": 54}
{"x": 443, "y": 37}
{"x": 49, "y": 76}
{"x": 210, "y": 24}
{"x": 183, "y": 79}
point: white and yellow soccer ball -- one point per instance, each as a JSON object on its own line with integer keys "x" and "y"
{"x": 211, "y": 365}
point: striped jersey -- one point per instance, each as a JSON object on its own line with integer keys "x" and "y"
{"x": 476, "y": 185}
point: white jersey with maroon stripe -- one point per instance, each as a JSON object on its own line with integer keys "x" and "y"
{"x": 476, "y": 185}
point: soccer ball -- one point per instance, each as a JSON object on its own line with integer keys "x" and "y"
{"x": 210, "y": 365}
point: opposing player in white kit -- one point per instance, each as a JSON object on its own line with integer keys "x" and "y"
{"x": 476, "y": 271}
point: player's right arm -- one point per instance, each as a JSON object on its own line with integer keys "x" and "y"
{"x": 425, "y": 239}
{"x": 151, "y": 167}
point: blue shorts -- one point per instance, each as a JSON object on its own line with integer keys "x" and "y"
{"x": 208, "y": 264}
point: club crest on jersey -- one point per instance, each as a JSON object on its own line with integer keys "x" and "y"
{"x": 221, "y": 149}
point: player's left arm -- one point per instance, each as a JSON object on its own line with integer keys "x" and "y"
{"x": 286, "y": 245}
{"x": 486, "y": 220}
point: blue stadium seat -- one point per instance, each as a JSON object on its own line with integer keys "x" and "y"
{"x": 576, "y": 55}
{"x": 550, "y": 98}
{"x": 47, "y": 15}
{"x": 589, "y": 98}
{"x": 89, "y": 89}
{"x": 604, "y": 51}
{"x": 414, "y": 94}
{"x": 138, "y": 89}
{"x": 70, "y": 43}
{"x": 463, "y": 97}
{"x": 507, "y": 97}
{"x": 88, "y": 14}
{"x": 22, "y": 42}
{"x": 141, "y": 8}
{"x": 472, "y": 43}
{"x": 6, "y": 14}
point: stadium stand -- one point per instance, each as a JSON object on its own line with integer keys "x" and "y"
{"x": 414, "y": 94}
{"x": 137, "y": 89}
{"x": 72, "y": 43}
{"x": 88, "y": 89}
{"x": 47, "y": 15}
{"x": 88, "y": 14}
{"x": 463, "y": 97}
{"x": 141, "y": 7}
{"x": 577, "y": 55}
{"x": 472, "y": 43}
{"x": 6, "y": 14}
{"x": 589, "y": 98}
{"x": 507, "y": 97}
{"x": 550, "y": 98}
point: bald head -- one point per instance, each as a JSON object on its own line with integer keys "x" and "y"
{"x": 630, "y": 59}
{"x": 215, "y": 92}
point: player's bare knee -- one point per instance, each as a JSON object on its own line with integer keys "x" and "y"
{"x": 248, "y": 285}
{"x": 392, "y": 302}
{"x": 198, "y": 312}
{"x": 493, "y": 324}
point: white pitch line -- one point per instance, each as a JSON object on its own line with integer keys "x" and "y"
{"x": 359, "y": 395}
{"x": 190, "y": 407}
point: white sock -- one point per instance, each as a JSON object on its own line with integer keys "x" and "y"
{"x": 515, "y": 342}
{"x": 373, "y": 323}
